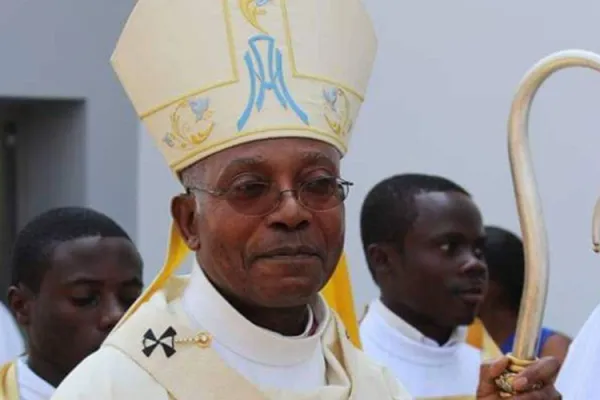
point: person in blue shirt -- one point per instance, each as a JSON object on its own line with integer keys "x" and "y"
{"x": 505, "y": 258}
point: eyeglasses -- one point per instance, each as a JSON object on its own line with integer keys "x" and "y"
{"x": 259, "y": 198}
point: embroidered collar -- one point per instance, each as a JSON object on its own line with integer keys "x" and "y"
{"x": 209, "y": 311}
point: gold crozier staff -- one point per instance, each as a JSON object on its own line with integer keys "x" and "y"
{"x": 529, "y": 206}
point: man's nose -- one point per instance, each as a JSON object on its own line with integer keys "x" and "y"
{"x": 112, "y": 311}
{"x": 290, "y": 214}
{"x": 475, "y": 267}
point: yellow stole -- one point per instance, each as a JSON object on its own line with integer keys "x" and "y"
{"x": 478, "y": 337}
{"x": 9, "y": 387}
{"x": 338, "y": 295}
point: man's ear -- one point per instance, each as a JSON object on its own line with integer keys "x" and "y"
{"x": 380, "y": 259}
{"x": 183, "y": 211}
{"x": 20, "y": 302}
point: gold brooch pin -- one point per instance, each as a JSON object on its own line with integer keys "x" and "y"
{"x": 202, "y": 339}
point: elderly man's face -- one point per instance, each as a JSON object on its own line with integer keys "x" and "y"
{"x": 278, "y": 256}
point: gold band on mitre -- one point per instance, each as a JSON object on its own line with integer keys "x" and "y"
{"x": 208, "y": 75}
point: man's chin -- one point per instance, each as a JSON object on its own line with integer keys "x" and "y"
{"x": 290, "y": 297}
{"x": 466, "y": 320}
{"x": 289, "y": 290}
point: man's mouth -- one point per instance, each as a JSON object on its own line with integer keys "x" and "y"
{"x": 474, "y": 293}
{"x": 290, "y": 252}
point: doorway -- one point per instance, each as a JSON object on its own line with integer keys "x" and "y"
{"x": 42, "y": 165}
{"x": 8, "y": 198}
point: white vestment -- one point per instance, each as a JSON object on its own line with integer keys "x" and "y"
{"x": 11, "y": 342}
{"x": 31, "y": 386}
{"x": 267, "y": 359}
{"x": 427, "y": 369}
{"x": 579, "y": 376}
{"x": 241, "y": 361}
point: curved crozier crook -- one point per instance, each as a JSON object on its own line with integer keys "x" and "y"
{"x": 528, "y": 199}
{"x": 596, "y": 227}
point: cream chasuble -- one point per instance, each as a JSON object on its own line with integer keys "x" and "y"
{"x": 187, "y": 342}
{"x": 428, "y": 370}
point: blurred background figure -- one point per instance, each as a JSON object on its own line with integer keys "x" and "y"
{"x": 506, "y": 265}
{"x": 11, "y": 342}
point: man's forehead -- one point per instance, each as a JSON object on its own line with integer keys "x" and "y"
{"x": 84, "y": 258}
{"x": 438, "y": 200}
{"x": 271, "y": 152}
{"x": 445, "y": 211}
{"x": 88, "y": 245}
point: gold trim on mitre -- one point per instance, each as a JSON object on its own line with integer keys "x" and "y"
{"x": 207, "y": 75}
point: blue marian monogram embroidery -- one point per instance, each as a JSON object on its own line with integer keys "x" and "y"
{"x": 265, "y": 78}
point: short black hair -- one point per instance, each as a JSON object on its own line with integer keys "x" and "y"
{"x": 505, "y": 258}
{"x": 389, "y": 209}
{"x": 33, "y": 247}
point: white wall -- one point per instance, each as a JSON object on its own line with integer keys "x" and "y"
{"x": 438, "y": 103}
{"x": 156, "y": 186}
{"x": 60, "y": 49}
{"x": 444, "y": 79}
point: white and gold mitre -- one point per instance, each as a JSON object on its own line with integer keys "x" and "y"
{"x": 206, "y": 75}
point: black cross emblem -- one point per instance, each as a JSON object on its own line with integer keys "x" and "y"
{"x": 166, "y": 341}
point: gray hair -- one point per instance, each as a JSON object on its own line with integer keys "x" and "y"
{"x": 189, "y": 178}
